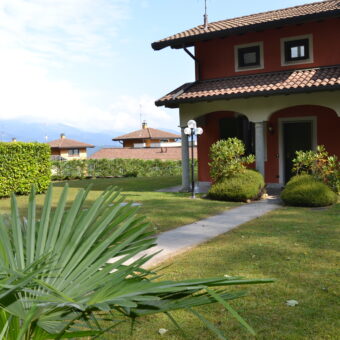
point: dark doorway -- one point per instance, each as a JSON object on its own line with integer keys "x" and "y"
{"x": 241, "y": 128}
{"x": 297, "y": 136}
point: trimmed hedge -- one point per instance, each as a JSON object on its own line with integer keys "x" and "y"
{"x": 24, "y": 164}
{"x": 240, "y": 187}
{"x": 96, "y": 168}
{"x": 306, "y": 191}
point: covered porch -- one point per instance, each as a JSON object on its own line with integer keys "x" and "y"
{"x": 272, "y": 127}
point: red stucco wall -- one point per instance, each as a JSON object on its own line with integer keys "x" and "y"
{"x": 211, "y": 135}
{"x": 216, "y": 56}
{"x": 328, "y": 134}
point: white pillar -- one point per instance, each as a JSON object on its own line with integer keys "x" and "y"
{"x": 185, "y": 163}
{"x": 259, "y": 146}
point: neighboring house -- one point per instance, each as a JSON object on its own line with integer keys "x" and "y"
{"x": 148, "y": 137}
{"x": 67, "y": 149}
{"x": 271, "y": 79}
{"x": 147, "y": 143}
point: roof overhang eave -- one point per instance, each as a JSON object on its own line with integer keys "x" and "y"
{"x": 190, "y": 40}
{"x": 176, "y": 102}
{"x": 72, "y": 147}
{"x": 151, "y": 138}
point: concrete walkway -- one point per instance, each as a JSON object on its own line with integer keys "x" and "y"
{"x": 181, "y": 239}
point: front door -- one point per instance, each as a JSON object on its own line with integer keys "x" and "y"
{"x": 297, "y": 136}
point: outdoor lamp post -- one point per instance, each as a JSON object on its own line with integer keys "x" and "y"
{"x": 192, "y": 130}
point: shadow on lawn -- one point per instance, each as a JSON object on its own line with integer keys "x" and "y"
{"x": 142, "y": 184}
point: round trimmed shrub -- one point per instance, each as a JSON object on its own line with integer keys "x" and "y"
{"x": 239, "y": 187}
{"x": 306, "y": 191}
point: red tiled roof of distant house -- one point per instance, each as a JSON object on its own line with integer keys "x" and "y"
{"x": 276, "y": 18}
{"x": 66, "y": 143}
{"x": 173, "y": 153}
{"x": 282, "y": 82}
{"x": 148, "y": 133}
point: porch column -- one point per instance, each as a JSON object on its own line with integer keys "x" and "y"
{"x": 259, "y": 146}
{"x": 185, "y": 163}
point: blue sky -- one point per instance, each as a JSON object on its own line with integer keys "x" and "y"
{"x": 89, "y": 63}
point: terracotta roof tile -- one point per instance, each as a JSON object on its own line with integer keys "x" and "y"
{"x": 147, "y": 133}
{"x": 143, "y": 153}
{"x": 310, "y": 11}
{"x": 304, "y": 80}
{"x": 66, "y": 143}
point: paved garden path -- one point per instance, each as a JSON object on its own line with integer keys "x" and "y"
{"x": 181, "y": 239}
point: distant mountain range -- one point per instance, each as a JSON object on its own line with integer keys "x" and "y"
{"x": 37, "y": 132}
{"x": 28, "y": 132}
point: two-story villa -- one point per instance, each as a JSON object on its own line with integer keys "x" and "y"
{"x": 271, "y": 79}
{"x": 148, "y": 137}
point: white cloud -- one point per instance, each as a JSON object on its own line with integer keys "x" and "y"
{"x": 67, "y": 29}
{"x": 28, "y": 94}
{"x": 38, "y": 35}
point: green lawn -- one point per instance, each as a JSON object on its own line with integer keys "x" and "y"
{"x": 297, "y": 246}
{"x": 163, "y": 210}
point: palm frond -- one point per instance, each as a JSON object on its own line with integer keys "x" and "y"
{"x": 59, "y": 273}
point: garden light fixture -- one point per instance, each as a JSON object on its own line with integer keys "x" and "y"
{"x": 192, "y": 130}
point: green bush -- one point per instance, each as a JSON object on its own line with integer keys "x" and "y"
{"x": 118, "y": 167}
{"x": 24, "y": 164}
{"x": 227, "y": 158}
{"x": 306, "y": 191}
{"x": 320, "y": 165}
{"x": 240, "y": 187}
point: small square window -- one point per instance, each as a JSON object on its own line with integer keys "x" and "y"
{"x": 296, "y": 50}
{"x": 249, "y": 56}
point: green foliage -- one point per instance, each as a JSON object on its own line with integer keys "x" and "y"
{"x": 74, "y": 169}
{"x": 239, "y": 187}
{"x": 24, "y": 164}
{"x": 320, "y": 165}
{"x": 227, "y": 159}
{"x": 66, "y": 275}
{"x": 306, "y": 191}
{"x": 97, "y": 168}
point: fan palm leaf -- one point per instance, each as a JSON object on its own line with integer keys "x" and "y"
{"x": 60, "y": 275}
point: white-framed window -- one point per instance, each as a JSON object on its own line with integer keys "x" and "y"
{"x": 249, "y": 56}
{"x": 297, "y": 50}
{"x": 73, "y": 152}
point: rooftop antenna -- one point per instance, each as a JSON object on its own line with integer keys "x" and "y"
{"x": 205, "y": 16}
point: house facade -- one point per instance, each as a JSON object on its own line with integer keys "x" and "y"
{"x": 271, "y": 79}
{"x": 146, "y": 143}
{"x": 68, "y": 149}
